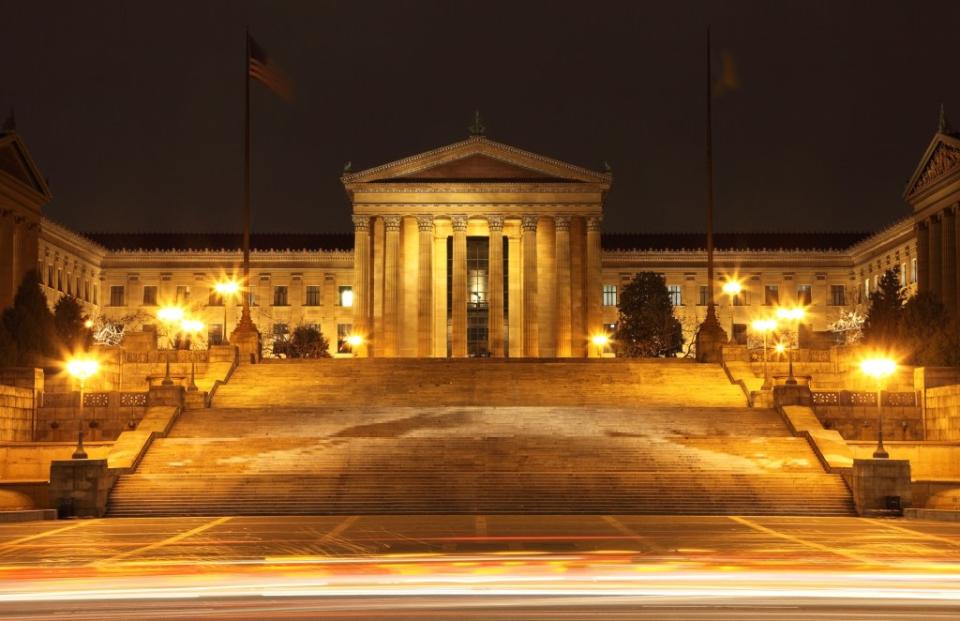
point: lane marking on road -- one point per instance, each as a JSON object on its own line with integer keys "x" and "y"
{"x": 480, "y": 525}
{"x": 9, "y": 545}
{"x": 341, "y": 527}
{"x": 165, "y": 542}
{"x": 914, "y": 533}
{"x": 805, "y": 542}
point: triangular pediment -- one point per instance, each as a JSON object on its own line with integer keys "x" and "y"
{"x": 940, "y": 162}
{"x": 18, "y": 168}
{"x": 477, "y": 159}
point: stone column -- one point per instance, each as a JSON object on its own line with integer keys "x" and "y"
{"x": 458, "y": 335}
{"x": 425, "y": 282}
{"x": 495, "y": 287}
{"x": 594, "y": 289}
{"x": 391, "y": 282}
{"x": 531, "y": 332}
{"x": 923, "y": 256}
{"x": 563, "y": 318}
{"x": 361, "y": 279}
{"x": 949, "y": 263}
{"x": 935, "y": 255}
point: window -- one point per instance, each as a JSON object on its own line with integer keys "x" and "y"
{"x": 280, "y": 295}
{"x": 86, "y": 290}
{"x": 214, "y": 299}
{"x": 702, "y": 296}
{"x": 280, "y": 330}
{"x": 343, "y": 331}
{"x": 676, "y": 297}
{"x": 771, "y": 295}
{"x": 59, "y": 280}
{"x": 741, "y": 299}
{"x": 116, "y": 295}
{"x": 50, "y": 276}
{"x": 740, "y": 333}
{"x": 346, "y": 296}
{"x": 183, "y": 294}
{"x": 69, "y": 288}
{"x": 215, "y": 334}
{"x": 313, "y": 295}
{"x": 913, "y": 270}
{"x": 96, "y": 296}
{"x": 252, "y": 299}
{"x": 150, "y": 295}
{"x": 866, "y": 288}
{"x": 903, "y": 274}
{"x": 609, "y": 295}
{"x": 837, "y": 295}
{"x": 804, "y": 295}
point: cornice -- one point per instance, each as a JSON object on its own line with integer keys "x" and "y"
{"x": 54, "y": 233}
{"x": 883, "y": 240}
{"x": 432, "y": 187}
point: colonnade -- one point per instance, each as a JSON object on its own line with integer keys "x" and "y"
{"x": 938, "y": 256}
{"x": 552, "y": 274}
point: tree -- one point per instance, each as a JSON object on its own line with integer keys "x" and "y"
{"x": 647, "y": 326}
{"x": 307, "y": 342}
{"x": 927, "y": 333}
{"x": 882, "y": 324}
{"x": 30, "y": 324}
{"x": 68, "y": 321}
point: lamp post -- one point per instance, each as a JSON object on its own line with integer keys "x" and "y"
{"x": 226, "y": 289}
{"x": 192, "y": 327}
{"x": 601, "y": 341}
{"x": 764, "y": 327}
{"x": 81, "y": 369}
{"x": 354, "y": 341}
{"x": 793, "y": 315}
{"x": 169, "y": 316}
{"x": 879, "y": 369}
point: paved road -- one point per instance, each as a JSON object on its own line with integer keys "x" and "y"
{"x": 485, "y": 567}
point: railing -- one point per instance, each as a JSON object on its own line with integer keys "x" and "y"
{"x": 102, "y": 399}
{"x": 799, "y": 355}
{"x": 162, "y": 355}
{"x": 852, "y": 398}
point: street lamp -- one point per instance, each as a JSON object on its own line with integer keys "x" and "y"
{"x": 169, "y": 316}
{"x": 192, "y": 327}
{"x": 793, "y": 315}
{"x": 879, "y": 369}
{"x": 226, "y": 289}
{"x": 354, "y": 341}
{"x": 732, "y": 288}
{"x": 764, "y": 327}
{"x": 81, "y": 369}
{"x": 601, "y": 341}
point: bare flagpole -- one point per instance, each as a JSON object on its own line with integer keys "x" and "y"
{"x": 246, "y": 175}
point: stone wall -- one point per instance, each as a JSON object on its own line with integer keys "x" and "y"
{"x": 860, "y": 422}
{"x": 928, "y": 460}
{"x": 943, "y": 413}
{"x": 17, "y": 407}
{"x": 58, "y": 422}
{"x": 31, "y": 462}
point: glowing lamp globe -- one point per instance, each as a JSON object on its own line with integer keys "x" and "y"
{"x": 82, "y": 368}
{"x": 878, "y": 368}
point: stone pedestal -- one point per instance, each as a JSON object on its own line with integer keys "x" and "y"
{"x": 196, "y": 400}
{"x": 710, "y": 339}
{"x": 166, "y": 395}
{"x": 79, "y": 487}
{"x": 881, "y": 486}
{"x": 246, "y": 338}
{"x": 221, "y": 353}
{"x": 796, "y": 394}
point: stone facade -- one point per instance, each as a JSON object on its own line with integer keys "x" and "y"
{"x": 433, "y": 231}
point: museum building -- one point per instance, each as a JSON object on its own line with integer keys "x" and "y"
{"x": 476, "y": 248}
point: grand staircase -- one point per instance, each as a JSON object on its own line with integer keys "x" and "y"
{"x": 479, "y": 436}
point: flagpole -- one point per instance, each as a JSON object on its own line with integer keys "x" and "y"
{"x": 246, "y": 174}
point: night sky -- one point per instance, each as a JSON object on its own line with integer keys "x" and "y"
{"x": 134, "y": 109}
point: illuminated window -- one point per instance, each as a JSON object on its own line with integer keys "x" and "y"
{"x": 676, "y": 297}
{"x": 343, "y": 331}
{"x": 346, "y": 296}
{"x": 214, "y": 299}
{"x": 313, "y": 295}
{"x": 804, "y": 295}
{"x": 741, "y": 299}
{"x": 609, "y": 295}
{"x": 117, "y": 295}
{"x": 150, "y": 295}
{"x": 183, "y": 294}
{"x": 866, "y": 288}
{"x": 702, "y": 295}
{"x": 913, "y": 270}
{"x": 903, "y": 274}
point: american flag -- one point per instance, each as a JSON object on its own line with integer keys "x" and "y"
{"x": 265, "y": 72}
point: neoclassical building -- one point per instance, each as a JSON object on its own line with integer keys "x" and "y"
{"x": 473, "y": 249}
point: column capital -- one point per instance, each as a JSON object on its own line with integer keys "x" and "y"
{"x": 425, "y": 223}
{"x": 529, "y": 223}
{"x": 920, "y": 225}
{"x": 593, "y": 223}
{"x": 562, "y": 223}
{"x": 459, "y": 222}
{"x": 495, "y": 223}
{"x": 361, "y": 223}
{"x": 391, "y": 223}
